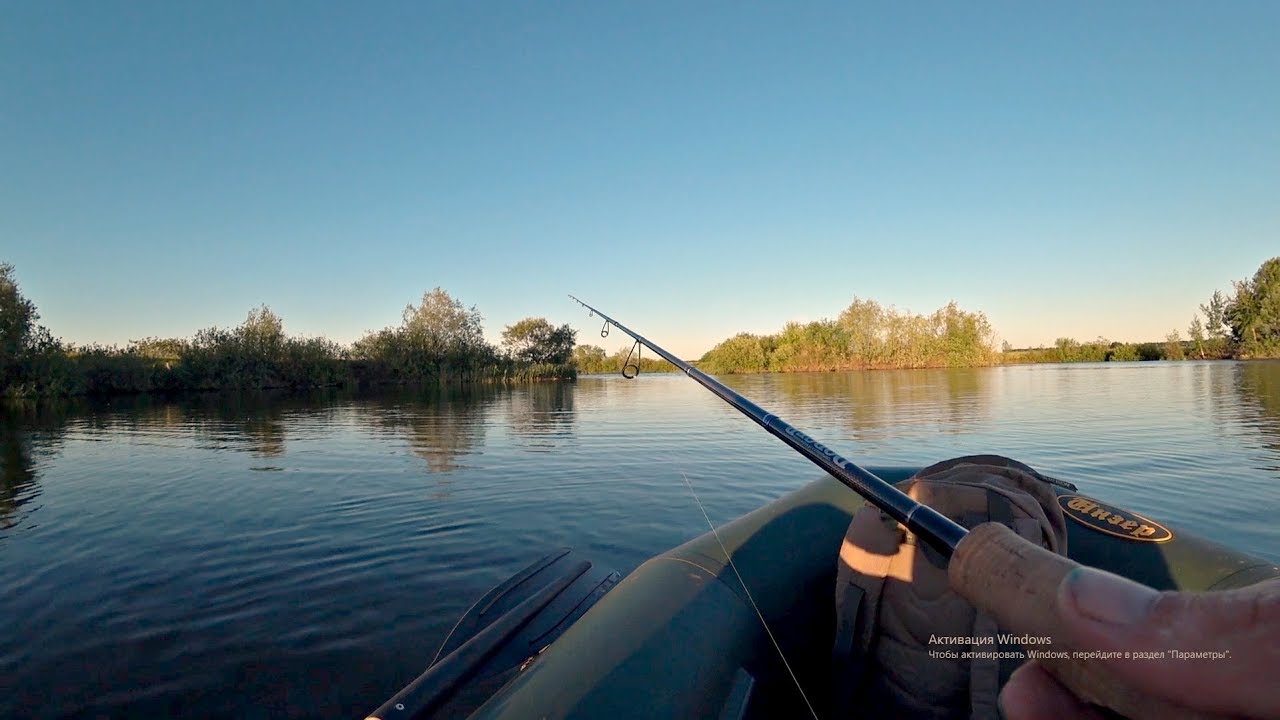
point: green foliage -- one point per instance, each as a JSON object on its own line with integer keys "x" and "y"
{"x": 509, "y": 371}
{"x": 1196, "y": 332}
{"x": 589, "y": 358}
{"x": 1173, "y": 347}
{"x": 439, "y": 340}
{"x": 1215, "y": 314}
{"x": 165, "y": 349}
{"x": 815, "y": 346}
{"x": 742, "y": 353}
{"x": 1254, "y": 312}
{"x": 1069, "y": 350}
{"x": 445, "y": 332}
{"x": 592, "y": 359}
{"x": 1123, "y": 352}
{"x": 866, "y": 335}
{"x": 1097, "y": 350}
{"x": 534, "y": 340}
{"x": 19, "y": 334}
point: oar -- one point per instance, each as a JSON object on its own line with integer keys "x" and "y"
{"x": 1012, "y": 579}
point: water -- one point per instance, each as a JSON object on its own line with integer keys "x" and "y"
{"x": 304, "y": 557}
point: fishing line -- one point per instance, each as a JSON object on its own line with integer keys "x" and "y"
{"x": 742, "y": 582}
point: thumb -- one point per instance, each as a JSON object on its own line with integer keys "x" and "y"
{"x": 1214, "y": 652}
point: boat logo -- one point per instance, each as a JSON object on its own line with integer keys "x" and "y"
{"x": 1112, "y": 520}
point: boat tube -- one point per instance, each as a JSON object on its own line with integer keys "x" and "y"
{"x": 678, "y": 637}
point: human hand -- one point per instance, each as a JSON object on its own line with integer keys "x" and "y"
{"x": 1101, "y": 611}
{"x": 1212, "y": 653}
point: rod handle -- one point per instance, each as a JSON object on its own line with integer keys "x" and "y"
{"x": 1016, "y": 582}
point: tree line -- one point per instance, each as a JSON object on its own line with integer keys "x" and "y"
{"x": 866, "y": 335}
{"x": 439, "y": 340}
{"x": 1243, "y": 325}
{"x": 594, "y": 360}
{"x": 442, "y": 340}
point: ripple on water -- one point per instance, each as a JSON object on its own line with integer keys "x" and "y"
{"x": 306, "y": 559}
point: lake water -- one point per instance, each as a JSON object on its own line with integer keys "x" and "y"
{"x": 255, "y": 557}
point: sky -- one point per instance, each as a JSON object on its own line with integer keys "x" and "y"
{"x": 693, "y": 169}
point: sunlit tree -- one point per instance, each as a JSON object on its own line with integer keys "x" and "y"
{"x": 1254, "y": 312}
{"x": 1215, "y": 323}
{"x": 534, "y": 340}
{"x": 444, "y": 330}
{"x": 262, "y": 333}
{"x": 1196, "y": 332}
{"x": 589, "y": 358}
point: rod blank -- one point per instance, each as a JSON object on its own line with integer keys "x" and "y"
{"x": 935, "y": 528}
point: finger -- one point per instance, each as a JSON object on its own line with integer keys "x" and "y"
{"x": 1215, "y": 652}
{"x": 1032, "y": 693}
{"x": 1021, "y": 585}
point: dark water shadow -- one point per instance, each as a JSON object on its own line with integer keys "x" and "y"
{"x": 30, "y": 432}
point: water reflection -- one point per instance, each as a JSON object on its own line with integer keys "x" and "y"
{"x": 541, "y": 416}
{"x": 880, "y": 404}
{"x": 28, "y": 432}
{"x": 145, "y": 551}
{"x": 251, "y": 422}
{"x": 441, "y": 424}
{"x": 1257, "y": 384}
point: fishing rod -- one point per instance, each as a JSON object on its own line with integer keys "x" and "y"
{"x": 935, "y": 528}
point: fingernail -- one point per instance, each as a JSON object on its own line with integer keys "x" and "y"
{"x": 1107, "y": 598}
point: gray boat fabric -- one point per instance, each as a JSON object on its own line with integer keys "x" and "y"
{"x": 901, "y": 632}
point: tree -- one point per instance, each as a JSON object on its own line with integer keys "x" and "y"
{"x": 1173, "y": 347}
{"x": 967, "y": 336}
{"x": 1215, "y": 315}
{"x": 1196, "y": 331}
{"x": 1124, "y": 352}
{"x": 18, "y": 330}
{"x": 261, "y": 335}
{"x": 1254, "y": 312}
{"x": 169, "y": 349}
{"x": 589, "y": 358}
{"x": 534, "y": 340}
{"x": 863, "y": 323}
{"x": 1068, "y": 349}
{"x": 742, "y": 353}
{"x": 444, "y": 329}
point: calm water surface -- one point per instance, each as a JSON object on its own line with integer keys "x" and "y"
{"x": 268, "y": 557}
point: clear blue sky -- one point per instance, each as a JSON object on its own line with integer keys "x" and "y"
{"x": 695, "y": 169}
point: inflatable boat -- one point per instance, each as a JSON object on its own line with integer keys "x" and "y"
{"x": 678, "y": 637}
